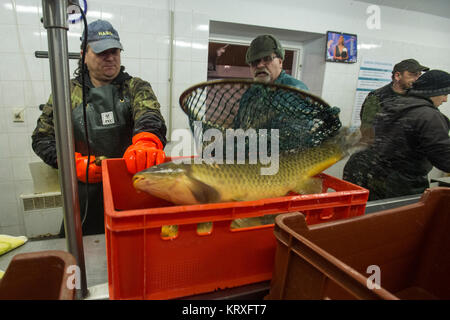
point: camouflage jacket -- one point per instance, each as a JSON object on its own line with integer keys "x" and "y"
{"x": 145, "y": 110}
{"x": 371, "y": 106}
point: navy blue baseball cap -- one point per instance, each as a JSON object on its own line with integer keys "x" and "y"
{"x": 102, "y": 36}
{"x": 410, "y": 65}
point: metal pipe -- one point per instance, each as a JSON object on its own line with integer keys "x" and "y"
{"x": 384, "y": 204}
{"x": 171, "y": 64}
{"x": 55, "y": 21}
{"x": 44, "y": 55}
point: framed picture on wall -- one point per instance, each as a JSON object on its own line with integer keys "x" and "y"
{"x": 341, "y": 47}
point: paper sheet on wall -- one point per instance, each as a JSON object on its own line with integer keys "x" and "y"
{"x": 373, "y": 74}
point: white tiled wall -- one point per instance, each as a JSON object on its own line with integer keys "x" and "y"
{"x": 21, "y": 83}
{"x": 144, "y": 26}
{"x": 313, "y": 65}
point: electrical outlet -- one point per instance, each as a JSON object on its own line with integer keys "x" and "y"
{"x": 19, "y": 115}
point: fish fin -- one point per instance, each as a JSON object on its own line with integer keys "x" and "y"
{"x": 241, "y": 197}
{"x": 347, "y": 140}
{"x": 321, "y": 166}
{"x": 309, "y": 186}
{"x": 202, "y": 192}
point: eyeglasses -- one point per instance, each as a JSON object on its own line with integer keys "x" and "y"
{"x": 265, "y": 60}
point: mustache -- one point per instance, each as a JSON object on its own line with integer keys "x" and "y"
{"x": 261, "y": 70}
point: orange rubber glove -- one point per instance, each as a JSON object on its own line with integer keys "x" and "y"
{"x": 95, "y": 171}
{"x": 146, "y": 151}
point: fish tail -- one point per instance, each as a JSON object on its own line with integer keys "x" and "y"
{"x": 346, "y": 139}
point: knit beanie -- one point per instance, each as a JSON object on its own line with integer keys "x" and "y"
{"x": 432, "y": 83}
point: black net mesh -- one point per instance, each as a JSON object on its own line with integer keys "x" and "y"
{"x": 302, "y": 119}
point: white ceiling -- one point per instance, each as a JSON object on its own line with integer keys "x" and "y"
{"x": 435, "y": 7}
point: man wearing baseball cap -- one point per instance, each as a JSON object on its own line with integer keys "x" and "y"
{"x": 412, "y": 136}
{"x": 403, "y": 76}
{"x": 123, "y": 120}
{"x": 265, "y": 57}
{"x": 103, "y": 42}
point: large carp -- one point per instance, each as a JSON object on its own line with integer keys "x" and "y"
{"x": 184, "y": 184}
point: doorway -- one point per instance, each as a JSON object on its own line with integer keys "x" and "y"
{"x": 226, "y": 60}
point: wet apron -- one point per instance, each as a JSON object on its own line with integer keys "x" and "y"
{"x": 110, "y": 127}
{"x": 109, "y": 122}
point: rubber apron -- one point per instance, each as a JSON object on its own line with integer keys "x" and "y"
{"x": 109, "y": 123}
{"x": 110, "y": 132}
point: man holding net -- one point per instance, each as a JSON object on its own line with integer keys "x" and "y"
{"x": 303, "y": 121}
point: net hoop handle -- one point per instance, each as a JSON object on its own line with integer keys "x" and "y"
{"x": 246, "y": 82}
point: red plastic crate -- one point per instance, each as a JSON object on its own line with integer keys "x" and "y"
{"x": 410, "y": 246}
{"x": 143, "y": 265}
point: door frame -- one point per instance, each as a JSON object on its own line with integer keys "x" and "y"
{"x": 296, "y": 48}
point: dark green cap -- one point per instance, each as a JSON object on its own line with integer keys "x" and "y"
{"x": 410, "y": 65}
{"x": 263, "y": 46}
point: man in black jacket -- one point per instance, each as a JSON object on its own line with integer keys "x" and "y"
{"x": 411, "y": 136}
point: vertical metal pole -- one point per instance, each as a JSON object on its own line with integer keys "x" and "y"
{"x": 55, "y": 22}
{"x": 171, "y": 64}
